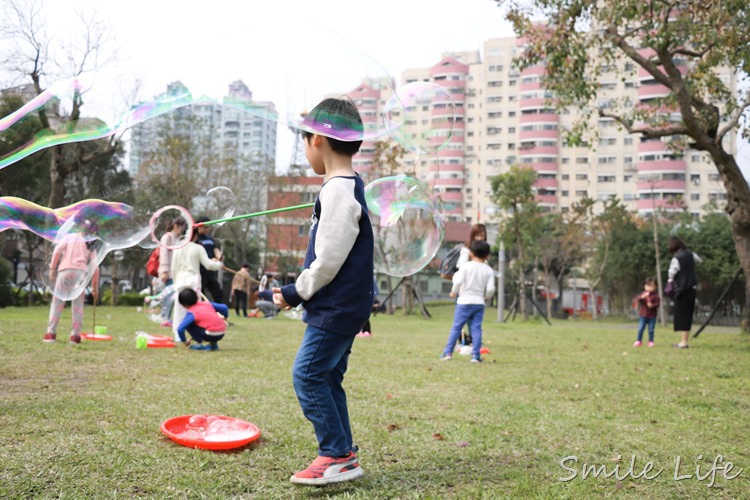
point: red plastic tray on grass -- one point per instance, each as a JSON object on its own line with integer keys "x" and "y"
{"x": 95, "y": 336}
{"x": 156, "y": 344}
{"x": 178, "y": 430}
{"x": 159, "y": 341}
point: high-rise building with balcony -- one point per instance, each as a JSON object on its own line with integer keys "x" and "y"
{"x": 503, "y": 117}
{"x": 246, "y": 132}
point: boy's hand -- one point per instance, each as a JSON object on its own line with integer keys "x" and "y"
{"x": 187, "y": 343}
{"x": 278, "y": 299}
{"x": 453, "y": 295}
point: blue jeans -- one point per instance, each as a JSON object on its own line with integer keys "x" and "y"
{"x": 318, "y": 374}
{"x": 167, "y": 301}
{"x": 642, "y": 322}
{"x": 198, "y": 333}
{"x": 473, "y": 314}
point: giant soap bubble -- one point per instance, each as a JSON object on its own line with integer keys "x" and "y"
{"x": 218, "y": 203}
{"x": 73, "y": 258}
{"x": 407, "y": 224}
{"x": 283, "y": 81}
{"x": 406, "y": 109}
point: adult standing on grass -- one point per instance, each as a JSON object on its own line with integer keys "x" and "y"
{"x": 338, "y": 261}
{"x": 186, "y": 269}
{"x": 682, "y": 276}
{"x": 209, "y": 277}
{"x": 68, "y": 268}
{"x": 241, "y": 289}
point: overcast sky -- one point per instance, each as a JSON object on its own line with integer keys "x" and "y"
{"x": 286, "y": 51}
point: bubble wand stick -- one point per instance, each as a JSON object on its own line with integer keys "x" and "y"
{"x": 254, "y": 214}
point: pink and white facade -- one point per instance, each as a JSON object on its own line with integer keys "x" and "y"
{"x": 503, "y": 118}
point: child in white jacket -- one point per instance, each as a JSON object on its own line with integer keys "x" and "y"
{"x": 474, "y": 283}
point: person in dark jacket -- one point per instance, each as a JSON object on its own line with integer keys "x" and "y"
{"x": 684, "y": 280}
{"x": 335, "y": 288}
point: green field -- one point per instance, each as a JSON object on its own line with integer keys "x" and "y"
{"x": 83, "y": 421}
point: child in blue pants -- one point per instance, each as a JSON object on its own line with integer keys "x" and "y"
{"x": 201, "y": 321}
{"x": 334, "y": 288}
{"x": 474, "y": 282}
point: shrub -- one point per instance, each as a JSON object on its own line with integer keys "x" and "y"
{"x": 6, "y": 293}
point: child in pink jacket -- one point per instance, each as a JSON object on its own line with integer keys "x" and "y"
{"x": 69, "y": 269}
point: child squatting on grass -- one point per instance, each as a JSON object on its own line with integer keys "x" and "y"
{"x": 334, "y": 288}
{"x": 474, "y": 282}
{"x": 201, "y": 321}
{"x": 648, "y": 307}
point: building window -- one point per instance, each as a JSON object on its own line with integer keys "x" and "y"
{"x": 582, "y": 177}
{"x": 565, "y": 177}
{"x": 564, "y": 193}
{"x": 695, "y": 196}
{"x": 581, "y": 193}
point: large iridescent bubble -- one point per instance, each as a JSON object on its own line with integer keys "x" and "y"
{"x": 283, "y": 83}
{"x": 163, "y": 221}
{"x": 405, "y": 112}
{"x": 117, "y": 224}
{"x": 218, "y": 203}
{"x": 408, "y": 224}
{"x": 73, "y": 258}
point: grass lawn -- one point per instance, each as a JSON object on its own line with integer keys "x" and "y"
{"x": 83, "y": 421}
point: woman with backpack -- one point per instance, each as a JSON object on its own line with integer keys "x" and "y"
{"x": 681, "y": 286}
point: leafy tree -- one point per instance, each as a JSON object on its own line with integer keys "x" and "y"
{"x": 631, "y": 260}
{"x": 597, "y": 237}
{"x": 513, "y": 192}
{"x": 679, "y": 45}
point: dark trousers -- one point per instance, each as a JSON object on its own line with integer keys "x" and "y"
{"x": 240, "y": 302}
{"x": 210, "y": 283}
{"x": 198, "y": 333}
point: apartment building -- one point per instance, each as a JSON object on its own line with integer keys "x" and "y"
{"x": 236, "y": 126}
{"x": 502, "y": 118}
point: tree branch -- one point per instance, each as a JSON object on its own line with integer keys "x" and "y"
{"x": 692, "y": 53}
{"x": 734, "y": 118}
{"x": 633, "y": 54}
{"x": 649, "y": 132}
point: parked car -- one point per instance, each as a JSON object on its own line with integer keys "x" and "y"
{"x": 124, "y": 286}
{"x": 88, "y": 296}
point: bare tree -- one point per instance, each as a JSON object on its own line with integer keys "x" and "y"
{"x": 31, "y": 58}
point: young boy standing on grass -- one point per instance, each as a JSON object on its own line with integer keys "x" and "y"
{"x": 474, "y": 282}
{"x": 334, "y": 289}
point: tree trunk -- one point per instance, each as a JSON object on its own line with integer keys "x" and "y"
{"x": 57, "y": 181}
{"x": 738, "y": 208}
{"x": 741, "y": 235}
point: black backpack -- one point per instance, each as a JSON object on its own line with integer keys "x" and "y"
{"x": 448, "y": 265}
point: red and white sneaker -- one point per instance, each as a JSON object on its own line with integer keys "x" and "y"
{"x": 75, "y": 339}
{"x": 49, "y": 337}
{"x": 326, "y": 470}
